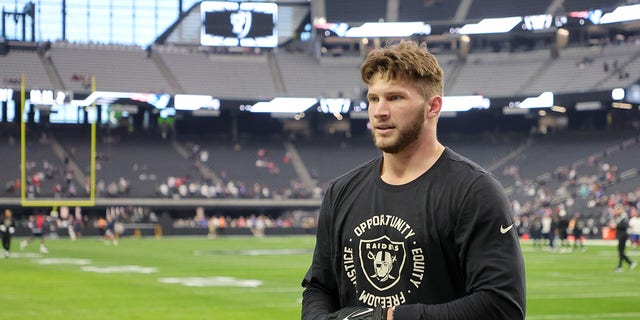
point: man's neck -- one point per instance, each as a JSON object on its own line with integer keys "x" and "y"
{"x": 404, "y": 167}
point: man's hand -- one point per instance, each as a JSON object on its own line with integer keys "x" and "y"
{"x": 359, "y": 313}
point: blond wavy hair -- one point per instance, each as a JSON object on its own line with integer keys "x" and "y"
{"x": 406, "y": 61}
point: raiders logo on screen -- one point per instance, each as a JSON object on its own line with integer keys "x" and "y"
{"x": 239, "y": 24}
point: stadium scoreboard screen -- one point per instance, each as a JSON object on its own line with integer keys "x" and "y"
{"x": 239, "y": 24}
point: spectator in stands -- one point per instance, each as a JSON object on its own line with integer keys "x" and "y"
{"x": 101, "y": 188}
{"x": 124, "y": 186}
{"x": 13, "y": 186}
{"x": 112, "y": 189}
{"x": 418, "y": 199}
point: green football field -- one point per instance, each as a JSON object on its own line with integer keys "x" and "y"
{"x": 257, "y": 278}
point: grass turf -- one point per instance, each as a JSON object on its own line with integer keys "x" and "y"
{"x": 257, "y": 278}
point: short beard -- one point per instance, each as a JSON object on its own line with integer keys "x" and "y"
{"x": 407, "y": 136}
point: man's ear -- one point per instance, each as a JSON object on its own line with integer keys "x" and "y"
{"x": 434, "y": 105}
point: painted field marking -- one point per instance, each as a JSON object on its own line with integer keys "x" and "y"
{"x": 120, "y": 269}
{"x": 212, "y": 282}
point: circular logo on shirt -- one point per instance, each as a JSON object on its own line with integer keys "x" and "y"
{"x": 383, "y": 269}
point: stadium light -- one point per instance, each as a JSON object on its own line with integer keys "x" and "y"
{"x": 340, "y": 29}
{"x": 588, "y": 105}
{"x": 334, "y": 105}
{"x": 464, "y": 103}
{"x": 158, "y": 101}
{"x": 6, "y": 94}
{"x": 195, "y": 102}
{"x": 46, "y": 97}
{"x": 632, "y": 94}
{"x": 591, "y": 15}
{"x": 622, "y": 105}
{"x": 538, "y": 22}
{"x": 617, "y": 94}
{"x": 284, "y": 105}
{"x": 544, "y": 100}
{"x": 388, "y": 29}
{"x": 493, "y": 25}
{"x": 620, "y": 14}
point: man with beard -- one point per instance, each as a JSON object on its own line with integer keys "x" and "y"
{"x": 420, "y": 232}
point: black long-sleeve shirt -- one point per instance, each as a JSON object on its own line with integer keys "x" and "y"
{"x": 5, "y": 226}
{"x": 440, "y": 247}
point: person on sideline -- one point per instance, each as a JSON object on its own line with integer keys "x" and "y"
{"x": 419, "y": 232}
{"x": 548, "y": 232}
{"x": 577, "y": 225}
{"x": 7, "y": 229}
{"x": 536, "y": 231}
{"x": 563, "y": 231}
{"x": 212, "y": 223}
{"x": 634, "y": 228}
{"x": 36, "y": 224}
{"x": 621, "y": 221}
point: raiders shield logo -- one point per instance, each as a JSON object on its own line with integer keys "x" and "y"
{"x": 382, "y": 261}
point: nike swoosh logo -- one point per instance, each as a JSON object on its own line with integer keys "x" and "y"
{"x": 504, "y": 230}
{"x": 358, "y": 313}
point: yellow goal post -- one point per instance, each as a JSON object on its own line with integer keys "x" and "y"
{"x": 53, "y": 202}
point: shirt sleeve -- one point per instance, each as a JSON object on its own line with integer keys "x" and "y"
{"x": 320, "y": 296}
{"x": 491, "y": 259}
